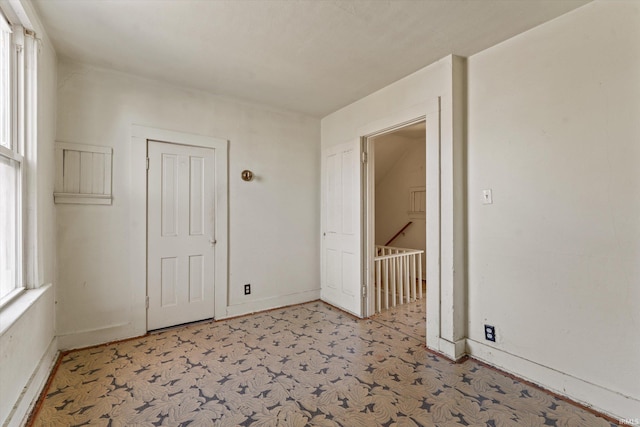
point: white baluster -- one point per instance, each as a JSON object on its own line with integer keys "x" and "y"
{"x": 401, "y": 278}
{"x": 407, "y": 283}
{"x": 394, "y": 262}
{"x": 414, "y": 291}
{"x": 378, "y": 287}
{"x": 420, "y": 275}
{"x": 386, "y": 284}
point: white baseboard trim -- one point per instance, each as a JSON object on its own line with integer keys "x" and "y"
{"x": 91, "y": 337}
{"x": 269, "y": 303}
{"x": 600, "y": 399}
{"x": 453, "y": 350}
{"x": 32, "y": 390}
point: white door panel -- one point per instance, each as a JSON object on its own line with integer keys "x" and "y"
{"x": 341, "y": 263}
{"x": 181, "y": 267}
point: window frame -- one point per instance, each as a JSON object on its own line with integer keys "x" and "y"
{"x": 16, "y": 146}
{"x": 5, "y": 27}
{"x": 19, "y": 284}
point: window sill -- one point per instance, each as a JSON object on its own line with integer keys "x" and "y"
{"x": 10, "y": 297}
{"x": 13, "y": 310}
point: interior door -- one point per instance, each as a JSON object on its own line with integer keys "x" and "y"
{"x": 341, "y": 247}
{"x": 180, "y": 234}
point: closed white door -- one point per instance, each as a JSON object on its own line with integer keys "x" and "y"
{"x": 341, "y": 254}
{"x": 180, "y": 235}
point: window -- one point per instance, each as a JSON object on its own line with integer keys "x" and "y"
{"x": 10, "y": 260}
{"x": 17, "y": 105}
{"x": 5, "y": 83}
{"x": 10, "y": 174}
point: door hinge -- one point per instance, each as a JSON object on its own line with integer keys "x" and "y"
{"x": 364, "y": 157}
{"x": 147, "y": 163}
{"x": 364, "y": 291}
{"x": 146, "y": 302}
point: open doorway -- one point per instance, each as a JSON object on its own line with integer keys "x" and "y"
{"x": 395, "y": 210}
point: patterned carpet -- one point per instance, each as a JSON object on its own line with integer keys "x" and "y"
{"x": 304, "y": 365}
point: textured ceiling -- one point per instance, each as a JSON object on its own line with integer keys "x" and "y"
{"x": 310, "y": 56}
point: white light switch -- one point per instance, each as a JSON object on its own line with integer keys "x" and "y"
{"x": 487, "y": 197}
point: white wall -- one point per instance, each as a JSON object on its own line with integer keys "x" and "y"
{"x": 406, "y": 99}
{"x": 392, "y": 193}
{"x": 554, "y": 263}
{"x": 27, "y": 335}
{"x": 274, "y": 220}
{"x": 27, "y": 352}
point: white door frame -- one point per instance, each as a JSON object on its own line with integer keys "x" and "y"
{"x": 445, "y": 217}
{"x": 369, "y": 212}
{"x": 138, "y": 215}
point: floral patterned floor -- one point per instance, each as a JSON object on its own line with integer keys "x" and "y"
{"x": 305, "y": 365}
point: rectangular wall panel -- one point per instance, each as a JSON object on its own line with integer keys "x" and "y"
{"x": 417, "y": 199}
{"x": 168, "y": 281}
{"x": 333, "y": 194}
{"x": 196, "y": 278}
{"x": 86, "y": 175}
{"x": 71, "y": 171}
{"x": 333, "y": 268}
{"x": 349, "y": 273}
{"x": 196, "y": 196}
{"x": 97, "y": 181}
{"x": 348, "y": 192}
{"x": 169, "y": 195}
{"x": 83, "y": 174}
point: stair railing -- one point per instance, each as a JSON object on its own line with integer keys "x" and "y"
{"x": 398, "y": 276}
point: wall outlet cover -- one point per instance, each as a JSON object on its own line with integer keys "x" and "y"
{"x": 490, "y": 333}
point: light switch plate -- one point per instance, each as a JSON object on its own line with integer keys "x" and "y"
{"x": 487, "y": 197}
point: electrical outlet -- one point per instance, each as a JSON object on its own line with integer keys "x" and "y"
{"x": 247, "y": 289}
{"x": 490, "y": 333}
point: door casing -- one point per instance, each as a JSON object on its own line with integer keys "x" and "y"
{"x": 445, "y": 215}
{"x": 138, "y": 217}
{"x": 369, "y": 213}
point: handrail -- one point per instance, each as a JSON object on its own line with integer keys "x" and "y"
{"x": 396, "y": 248}
{"x": 398, "y": 233}
{"x": 398, "y": 255}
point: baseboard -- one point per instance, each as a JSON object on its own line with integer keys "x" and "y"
{"x": 125, "y": 330}
{"x": 451, "y": 350}
{"x": 91, "y": 337}
{"x": 32, "y": 390}
{"x": 269, "y": 303}
{"x": 598, "y": 398}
